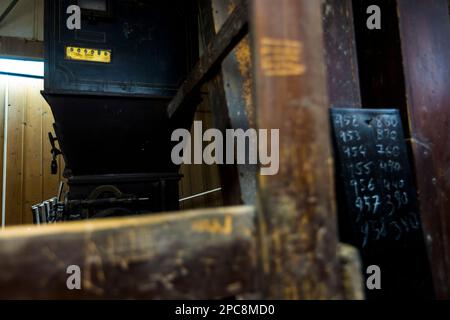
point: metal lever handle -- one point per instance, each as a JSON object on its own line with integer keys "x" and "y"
{"x": 55, "y": 153}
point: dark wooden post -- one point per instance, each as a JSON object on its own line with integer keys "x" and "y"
{"x": 229, "y": 102}
{"x": 425, "y": 38}
{"x": 340, "y": 54}
{"x": 297, "y": 221}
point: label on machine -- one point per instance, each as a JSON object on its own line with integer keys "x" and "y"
{"x": 88, "y": 54}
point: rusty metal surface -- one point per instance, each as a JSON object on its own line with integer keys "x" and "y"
{"x": 298, "y": 222}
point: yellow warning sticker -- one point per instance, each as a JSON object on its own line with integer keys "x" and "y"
{"x": 88, "y": 54}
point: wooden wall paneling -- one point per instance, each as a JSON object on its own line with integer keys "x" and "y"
{"x": 32, "y": 158}
{"x": 229, "y": 175}
{"x": 340, "y": 53}
{"x": 197, "y": 179}
{"x": 3, "y": 86}
{"x": 425, "y": 42}
{"x": 185, "y": 190}
{"x": 29, "y": 180}
{"x": 211, "y": 176}
{"x": 16, "y": 118}
{"x": 297, "y": 220}
{"x": 39, "y": 19}
{"x": 200, "y": 178}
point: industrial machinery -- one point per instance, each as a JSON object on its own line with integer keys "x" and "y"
{"x": 108, "y": 85}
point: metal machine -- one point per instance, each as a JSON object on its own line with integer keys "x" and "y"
{"x": 108, "y": 85}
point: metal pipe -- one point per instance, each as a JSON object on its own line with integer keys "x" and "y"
{"x": 42, "y": 214}
{"x": 200, "y": 194}
{"x": 8, "y": 10}
{"x": 103, "y": 202}
{"x": 36, "y": 217}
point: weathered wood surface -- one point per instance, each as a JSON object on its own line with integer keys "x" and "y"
{"x": 229, "y": 175}
{"x": 340, "y": 53}
{"x": 352, "y": 274}
{"x": 238, "y": 84}
{"x": 298, "y": 237}
{"x": 233, "y": 30}
{"x": 425, "y": 39}
{"x": 190, "y": 255}
{"x": 231, "y": 96}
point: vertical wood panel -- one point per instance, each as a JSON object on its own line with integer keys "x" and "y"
{"x": 229, "y": 175}
{"x": 425, "y": 39}
{"x": 14, "y": 186}
{"x": 297, "y": 223}
{"x": 211, "y": 179}
{"x": 32, "y": 157}
{"x": 200, "y": 178}
{"x": 28, "y": 156}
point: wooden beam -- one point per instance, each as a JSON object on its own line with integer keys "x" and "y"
{"x": 233, "y": 30}
{"x": 425, "y": 40}
{"x": 298, "y": 237}
{"x": 340, "y": 53}
{"x": 21, "y": 48}
{"x": 229, "y": 175}
{"x": 202, "y": 254}
{"x": 237, "y": 86}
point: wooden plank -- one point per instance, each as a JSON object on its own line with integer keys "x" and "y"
{"x": 195, "y": 255}
{"x": 425, "y": 39}
{"x": 340, "y": 53}
{"x": 352, "y": 273}
{"x": 229, "y": 174}
{"x": 233, "y": 30}
{"x": 21, "y": 48}
{"x": 14, "y": 183}
{"x": 237, "y": 84}
{"x": 211, "y": 176}
{"x": 297, "y": 223}
{"x": 32, "y": 158}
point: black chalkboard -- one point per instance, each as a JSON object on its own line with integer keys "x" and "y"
{"x": 378, "y": 211}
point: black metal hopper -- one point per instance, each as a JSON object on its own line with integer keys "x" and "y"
{"x": 108, "y": 86}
